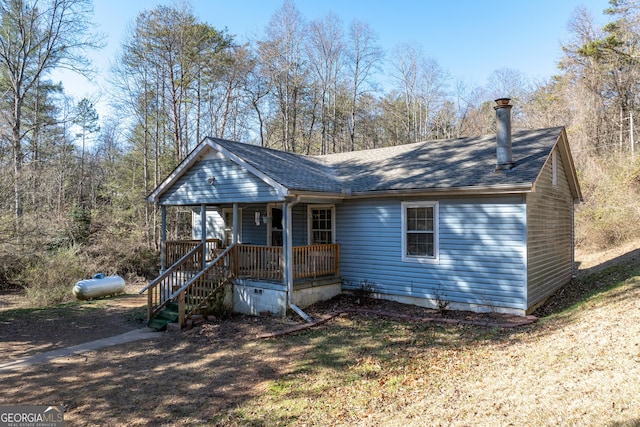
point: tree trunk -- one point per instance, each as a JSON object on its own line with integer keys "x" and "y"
{"x": 18, "y": 158}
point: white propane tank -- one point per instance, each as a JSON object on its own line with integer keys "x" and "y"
{"x": 99, "y": 286}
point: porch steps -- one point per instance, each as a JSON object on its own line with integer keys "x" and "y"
{"x": 167, "y": 315}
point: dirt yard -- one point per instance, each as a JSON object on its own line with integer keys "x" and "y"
{"x": 580, "y": 368}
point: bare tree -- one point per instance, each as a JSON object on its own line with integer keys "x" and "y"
{"x": 601, "y": 68}
{"x": 421, "y": 82}
{"x": 256, "y": 88}
{"x": 325, "y": 49}
{"x": 507, "y": 83}
{"x": 585, "y": 77}
{"x": 474, "y": 117}
{"x": 178, "y": 80}
{"x": 364, "y": 58}
{"x": 36, "y": 37}
{"x": 282, "y": 56}
{"x": 87, "y": 120}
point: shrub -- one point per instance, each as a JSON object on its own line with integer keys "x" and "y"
{"x": 49, "y": 278}
{"x": 11, "y": 266}
{"x": 220, "y": 303}
{"x": 609, "y": 214}
{"x": 124, "y": 258}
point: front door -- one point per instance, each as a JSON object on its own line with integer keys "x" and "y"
{"x": 276, "y": 226}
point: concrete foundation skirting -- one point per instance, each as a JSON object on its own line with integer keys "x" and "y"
{"x": 253, "y": 300}
{"x": 311, "y": 295}
{"x": 255, "y": 297}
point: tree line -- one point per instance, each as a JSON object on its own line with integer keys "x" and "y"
{"x": 307, "y": 86}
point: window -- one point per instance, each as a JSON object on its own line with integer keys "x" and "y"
{"x": 420, "y": 231}
{"x": 321, "y": 225}
{"x": 228, "y": 226}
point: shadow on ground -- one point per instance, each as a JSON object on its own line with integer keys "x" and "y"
{"x": 590, "y": 282}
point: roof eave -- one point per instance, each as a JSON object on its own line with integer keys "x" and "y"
{"x": 185, "y": 164}
{"x": 568, "y": 157}
{"x": 564, "y": 150}
{"x": 453, "y": 191}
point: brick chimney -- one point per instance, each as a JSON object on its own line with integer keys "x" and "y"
{"x": 503, "y": 134}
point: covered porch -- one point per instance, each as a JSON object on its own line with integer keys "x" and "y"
{"x": 257, "y": 275}
{"x": 258, "y": 242}
{"x": 254, "y": 278}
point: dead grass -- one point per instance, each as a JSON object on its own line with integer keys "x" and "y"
{"x": 580, "y": 365}
{"x": 579, "y": 368}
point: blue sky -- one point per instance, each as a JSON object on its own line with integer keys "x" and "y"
{"x": 468, "y": 38}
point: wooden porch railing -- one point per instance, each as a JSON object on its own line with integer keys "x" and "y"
{"x": 267, "y": 263}
{"x": 175, "y": 249}
{"x": 191, "y": 285}
{"x": 260, "y": 262}
{"x": 316, "y": 260}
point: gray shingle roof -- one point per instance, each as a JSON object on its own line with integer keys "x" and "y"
{"x": 431, "y": 165}
{"x": 294, "y": 171}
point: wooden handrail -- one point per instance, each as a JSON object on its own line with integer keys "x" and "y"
{"x": 176, "y": 265}
{"x": 196, "y": 291}
{"x": 215, "y": 263}
{"x": 160, "y": 289}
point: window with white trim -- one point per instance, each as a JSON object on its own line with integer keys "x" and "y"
{"x": 420, "y": 231}
{"x": 321, "y": 224}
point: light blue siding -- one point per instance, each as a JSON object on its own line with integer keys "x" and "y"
{"x": 481, "y": 251}
{"x": 299, "y": 226}
{"x": 251, "y": 233}
{"x": 232, "y": 183}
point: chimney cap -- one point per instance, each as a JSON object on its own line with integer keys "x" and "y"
{"x": 502, "y": 101}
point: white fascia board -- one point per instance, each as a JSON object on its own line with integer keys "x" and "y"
{"x": 186, "y": 163}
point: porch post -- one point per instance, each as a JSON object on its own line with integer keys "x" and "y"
{"x": 287, "y": 250}
{"x": 287, "y": 254}
{"x": 163, "y": 237}
{"x": 203, "y": 234}
{"x": 234, "y": 238}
